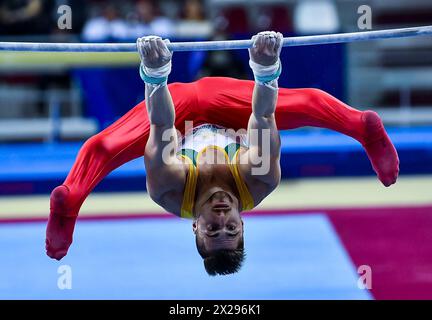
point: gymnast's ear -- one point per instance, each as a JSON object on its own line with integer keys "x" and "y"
{"x": 194, "y": 226}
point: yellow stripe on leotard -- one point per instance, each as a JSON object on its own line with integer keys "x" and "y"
{"x": 245, "y": 196}
{"x": 189, "y": 191}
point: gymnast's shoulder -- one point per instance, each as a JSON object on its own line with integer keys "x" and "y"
{"x": 165, "y": 185}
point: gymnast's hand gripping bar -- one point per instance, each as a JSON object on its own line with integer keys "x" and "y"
{"x": 219, "y": 45}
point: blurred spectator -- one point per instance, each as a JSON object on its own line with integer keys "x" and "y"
{"x": 109, "y": 26}
{"x": 149, "y": 21}
{"x": 193, "y": 11}
{"x": 193, "y": 22}
{"x": 316, "y": 16}
{"x": 25, "y": 17}
{"x": 274, "y": 17}
{"x": 236, "y": 18}
{"x": 223, "y": 63}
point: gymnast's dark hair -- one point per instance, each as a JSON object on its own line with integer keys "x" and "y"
{"x": 222, "y": 262}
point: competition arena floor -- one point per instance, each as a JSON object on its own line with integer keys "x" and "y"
{"x": 305, "y": 241}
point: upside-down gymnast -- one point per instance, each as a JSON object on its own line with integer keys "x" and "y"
{"x": 185, "y": 179}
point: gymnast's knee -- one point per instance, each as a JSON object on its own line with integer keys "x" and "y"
{"x": 314, "y": 96}
{"x": 98, "y": 144}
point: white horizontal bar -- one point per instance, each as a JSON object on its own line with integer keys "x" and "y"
{"x": 219, "y": 45}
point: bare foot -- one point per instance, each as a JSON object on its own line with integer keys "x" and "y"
{"x": 60, "y": 226}
{"x": 379, "y": 148}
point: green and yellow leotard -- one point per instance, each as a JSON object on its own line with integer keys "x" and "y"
{"x": 194, "y": 144}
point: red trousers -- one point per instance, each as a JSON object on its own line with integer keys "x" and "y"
{"x": 222, "y": 101}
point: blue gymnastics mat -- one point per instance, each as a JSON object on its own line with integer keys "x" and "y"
{"x": 288, "y": 257}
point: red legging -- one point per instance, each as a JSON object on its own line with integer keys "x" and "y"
{"x": 216, "y": 100}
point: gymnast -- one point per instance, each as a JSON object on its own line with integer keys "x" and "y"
{"x": 226, "y": 162}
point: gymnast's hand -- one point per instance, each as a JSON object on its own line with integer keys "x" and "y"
{"x": 266, "y": 48}
{"x": 153, "y": 51}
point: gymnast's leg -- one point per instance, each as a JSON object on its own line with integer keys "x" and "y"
{"x": 123, "y": 141}
{"x": 227, "y": 102}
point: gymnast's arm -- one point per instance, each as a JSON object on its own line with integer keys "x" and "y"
{"x": 262, "y": 167}
{"x": 166, "y": 174}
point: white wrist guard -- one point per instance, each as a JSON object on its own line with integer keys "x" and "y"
{"x": 266, "y": 75}
{"x": 156, "y": 77}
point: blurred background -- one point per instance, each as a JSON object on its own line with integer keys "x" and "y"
{"x": 50, "y": 103}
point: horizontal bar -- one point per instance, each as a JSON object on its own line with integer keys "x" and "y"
{"x": 306, "y": 40}
{"x": 219, "y": 45}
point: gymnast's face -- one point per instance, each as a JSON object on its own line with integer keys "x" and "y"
{"x": 218, "y": 224}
